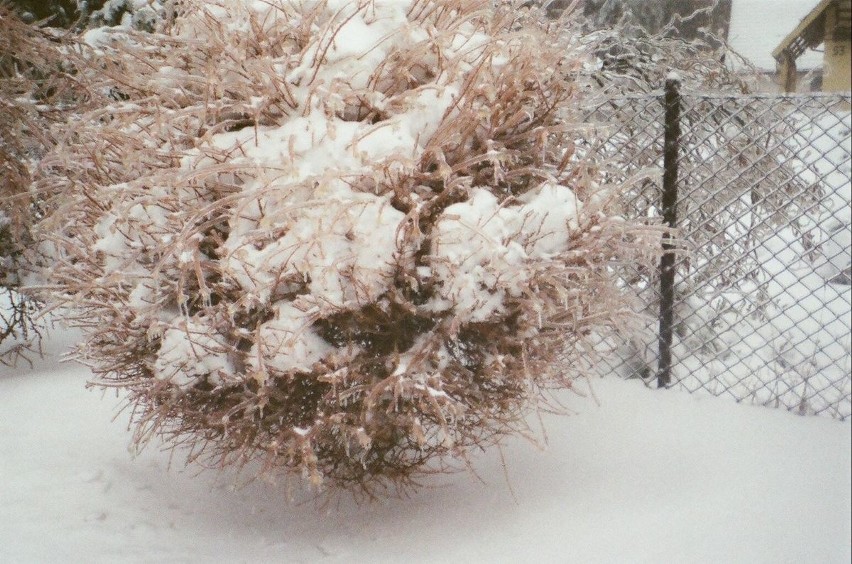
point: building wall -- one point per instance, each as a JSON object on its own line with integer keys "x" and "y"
{"x": 837, "y": 76}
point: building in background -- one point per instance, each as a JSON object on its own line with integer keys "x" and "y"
{"x": 829, "y": 24}
{"x": 757, "y": 27}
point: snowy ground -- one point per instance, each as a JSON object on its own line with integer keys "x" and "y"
{"x": 645, "y": 476}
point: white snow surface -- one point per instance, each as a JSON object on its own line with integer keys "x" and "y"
{"x": 641, "y": 476}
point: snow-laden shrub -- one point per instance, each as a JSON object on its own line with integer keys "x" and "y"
{"x": 140, "y": 15}
{"x": 345, "y": 238}
{"x": 55, "y": 13}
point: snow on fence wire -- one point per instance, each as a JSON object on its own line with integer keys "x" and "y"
{"x": 762, "y": 294}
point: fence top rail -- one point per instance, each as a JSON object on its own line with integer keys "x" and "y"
{"x": 775, "y": 96}
{"x": 779, "y": 96}
{"x": 603, "y": 97}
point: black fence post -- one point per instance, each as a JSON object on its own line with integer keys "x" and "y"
{"x": 671, "y": 150}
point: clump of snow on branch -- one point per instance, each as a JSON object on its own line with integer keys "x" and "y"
{"x": 344, "y": 238}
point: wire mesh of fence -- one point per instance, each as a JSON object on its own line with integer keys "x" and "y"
{"x": 763, "y": 295}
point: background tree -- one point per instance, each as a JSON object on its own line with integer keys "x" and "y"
{"x": 688, "y": 19}
{"x": 57, "y": 13}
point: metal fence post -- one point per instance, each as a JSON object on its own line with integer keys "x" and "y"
{"x": 671, "y": 150}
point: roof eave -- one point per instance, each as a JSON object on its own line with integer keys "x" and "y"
{"x": 800, "y": 29}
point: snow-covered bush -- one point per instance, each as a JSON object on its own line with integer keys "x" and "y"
{"x": 57, "y": 13}
{"x": 140, "y": 15}
{"x": 345, "y": 238}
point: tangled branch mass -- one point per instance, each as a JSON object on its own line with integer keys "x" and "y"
{"x": 348, "y": 239}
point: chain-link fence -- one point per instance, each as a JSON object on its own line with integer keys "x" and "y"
{"x": 762, "y": 307}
